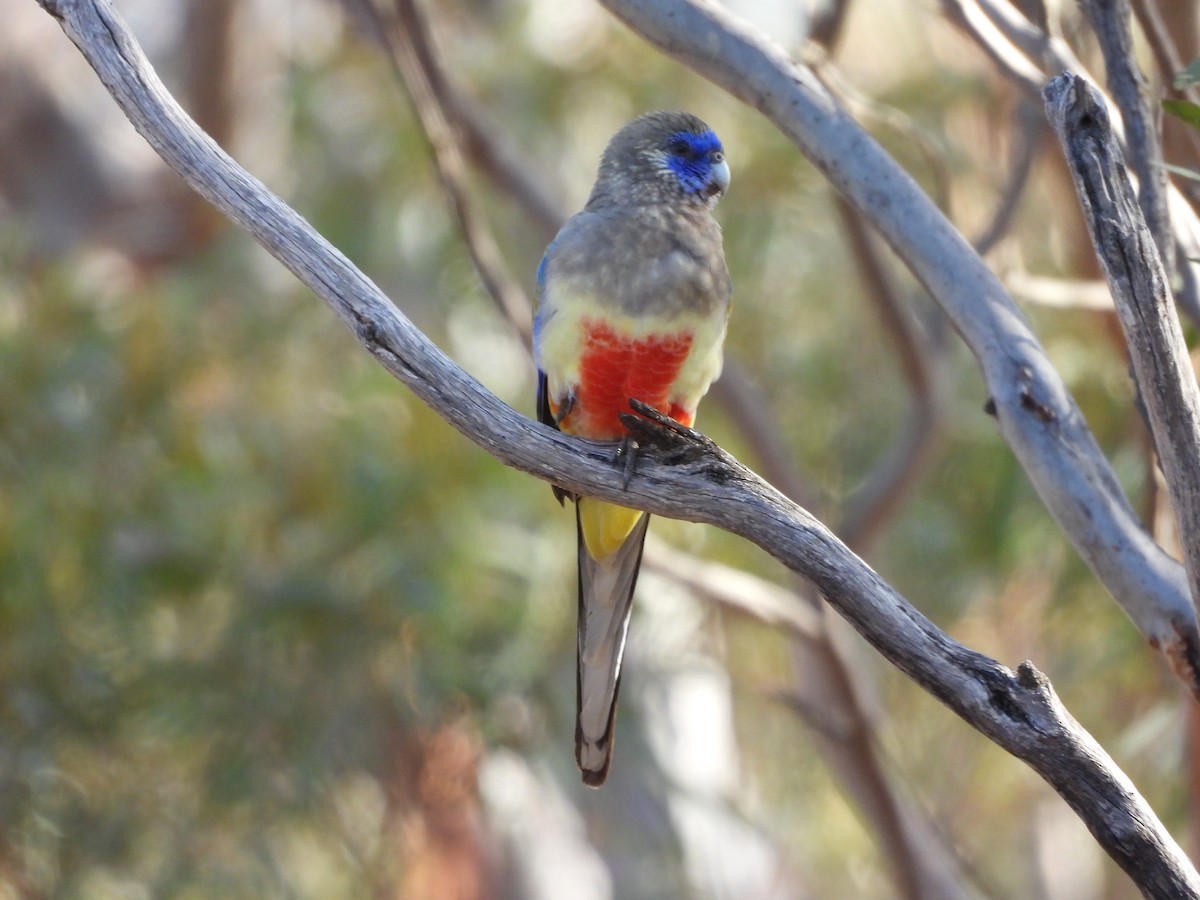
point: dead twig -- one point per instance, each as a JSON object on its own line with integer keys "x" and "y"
{"x": 1126, "y": 247}
{"x": 411, "y": 52}
{"x": 1143, "y": 146}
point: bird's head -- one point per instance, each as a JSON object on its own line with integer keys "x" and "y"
{"x": 664, "y": 157}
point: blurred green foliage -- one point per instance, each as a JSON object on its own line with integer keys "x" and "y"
{"x": 236, "y": 557}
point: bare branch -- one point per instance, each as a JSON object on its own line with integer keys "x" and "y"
{"x": 1138, "y": 282}
{"x": 1037, "y": 415}
{"x": 1169, "y": 62}
{"x": 411, "y": 53}
{"x": 474, "y": 137}
{"x": 750, "y": 411}
{"x": 1110, "y": 21}
{"x": 1055, "y": 56}
{"x": 1006, "y": 55}
{"x": 1029, "y": 127}
{"x": 827, "y": 24}
{"x": 877, "y": 500}
{"x": 1162, "y": 45}
{"x": 1063, "y": 293}
{"x": 735, "y": 590}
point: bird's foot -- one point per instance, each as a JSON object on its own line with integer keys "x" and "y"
{"x": 674, "y": 442}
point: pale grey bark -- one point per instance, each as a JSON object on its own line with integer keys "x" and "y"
{"x": 693, "y": 479}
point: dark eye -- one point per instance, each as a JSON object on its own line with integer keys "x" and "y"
{"x": 717, "y": 156}
{"x": 680, "y": 147}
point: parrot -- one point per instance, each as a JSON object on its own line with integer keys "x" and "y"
{"x": 632, "y": 302}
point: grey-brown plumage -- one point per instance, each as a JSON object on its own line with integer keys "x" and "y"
{"x": 633, "y": 295}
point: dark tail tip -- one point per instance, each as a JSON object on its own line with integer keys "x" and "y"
{"x": 593, "y": 775}
{"x": 594, "y": 778}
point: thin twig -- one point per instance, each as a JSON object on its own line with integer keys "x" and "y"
{"x": 1029, "y": 127}
{"x": 1166, "y": 53}
{"x": 748, "y": 408}
{"x": 1143, "y": 144}
{"x": 476, "y": 138}
{"x": 1060, "y": 293}
{"x": 734, "y": 590}
{"x": 1030, "y": 32}
{"x": 413, "y": 57}
{"x": 868, "y": 510}
{"x": 1170, "y": 63}
{"x": 827, "y": 25}
{"x": 867, "y": 108}
{"x": 527, "y": 185}
{"x": 1006, "y": 55}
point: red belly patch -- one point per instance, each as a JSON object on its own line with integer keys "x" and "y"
{"x": 615, "y": 368}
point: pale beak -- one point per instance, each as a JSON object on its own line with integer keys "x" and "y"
{"x": 720, "y": 177}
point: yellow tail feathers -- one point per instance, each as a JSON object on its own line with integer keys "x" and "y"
{"x": 605, "y": 526}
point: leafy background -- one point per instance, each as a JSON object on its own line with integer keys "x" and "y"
{"x": 268, "y": 627}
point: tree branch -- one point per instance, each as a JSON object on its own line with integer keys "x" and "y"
{"x": 1037, "y": 415}
{"x": 1056, "y": 56}
{"x": 1020, "y": 712}
{"x": 1126, "y": 247}
{"x": 922, "y": 366}
{"x": 1111, "y": 21}
{"x": 1029, "y": 127}
{"x": 1007, "y": 56}
{"x": 410, "y": 50}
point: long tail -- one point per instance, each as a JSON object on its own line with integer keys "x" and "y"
{"x": 605, "y": 600}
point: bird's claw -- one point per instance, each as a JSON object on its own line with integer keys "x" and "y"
{"x": 674, "y": 442}
{"x": 626, "y": 457}
{"x": 564, "y": 409}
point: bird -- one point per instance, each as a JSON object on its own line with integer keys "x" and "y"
{"x": 632, "y": 302}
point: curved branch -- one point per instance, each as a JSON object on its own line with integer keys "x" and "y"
{"x": 1007, "y": 56}
{"x": 1029, "y": 126}
{"x": 1037, "y": 415}
{"x": 1018, "y": 711}
{"x": 410, "y": 50}
{"x": 922, "y": 367}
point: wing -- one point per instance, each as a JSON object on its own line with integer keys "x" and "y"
{"x": 546, "y": 416}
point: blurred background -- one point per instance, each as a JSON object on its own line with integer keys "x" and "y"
{"x": 269, "y": 628}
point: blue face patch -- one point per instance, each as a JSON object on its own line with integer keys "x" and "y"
{"x": 690, "y": 157}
